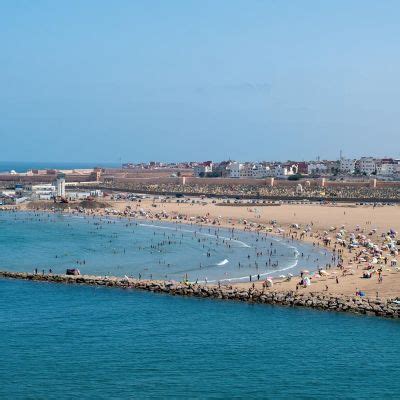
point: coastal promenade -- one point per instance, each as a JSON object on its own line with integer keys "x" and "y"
{"x": 320, "y": 301}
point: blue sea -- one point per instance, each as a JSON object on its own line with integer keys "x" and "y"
{"x": 112, "y": 246}
{"x": 80, "y": 342}
{"x": 23, "y": 166}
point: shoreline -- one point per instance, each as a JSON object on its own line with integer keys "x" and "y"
{"x": 322, "y": 217}
{"x": 198, "y": 228}
{"x": 319, "y": 301}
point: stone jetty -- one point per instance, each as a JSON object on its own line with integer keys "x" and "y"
{"x": 321, "y": 301}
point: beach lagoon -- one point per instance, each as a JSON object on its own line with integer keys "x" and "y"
{"x": 148, "y": 250}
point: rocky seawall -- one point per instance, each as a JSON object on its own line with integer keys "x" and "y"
{"x": 321, "y": 301}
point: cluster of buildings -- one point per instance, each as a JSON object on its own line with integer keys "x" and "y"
{"x": 157, "y": 165}
{"x": 235, "y": 169}
{"x": 45, "y": 191}
{"x": 382, "y": 168}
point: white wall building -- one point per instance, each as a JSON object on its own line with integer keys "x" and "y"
{"x": 246, "y": 171}
{"x": 260, "y": 171}
{"x": 238, "y": 170}
{"x": 60, "y": 184}
{"x": 367, "y": 165}
{"x": 281, "y": 172}
{"x": 317, "y": 168}
{"x": 388, "y": 169}
{"x": 44, "y": 191}
{"x": 234, "y": 169}
{"x": 78, "y": 195}
{"x": 202, "y": 169}
{"x": 347, "y": 165}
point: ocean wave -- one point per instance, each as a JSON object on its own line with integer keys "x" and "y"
{"x": 264, "y": 274}
{"x": 197, "y": 232}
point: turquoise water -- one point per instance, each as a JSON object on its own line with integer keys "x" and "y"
{"x": 111, "y": 246}
{"x": 70, "y": 342}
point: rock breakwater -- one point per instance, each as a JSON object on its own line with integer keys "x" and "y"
{"x": 321, "y": 301}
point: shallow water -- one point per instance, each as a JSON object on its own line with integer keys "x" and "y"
{"x": 70, "y": 342}
{"x": 111, "y": 246}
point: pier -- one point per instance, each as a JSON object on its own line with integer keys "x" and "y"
{"x": 321, "y": 301}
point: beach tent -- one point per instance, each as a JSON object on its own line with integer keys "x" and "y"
{"x": 269, "y": 282}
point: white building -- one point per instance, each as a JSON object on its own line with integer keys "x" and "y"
{"x": 367, "y": 165}
{"x": 388, "y": 169}
{"x": 78, "y": 195}
{"x": 44, "y": 191}
{"x": 317, "y": 168}
{"x": 201, "y": 169}
{"x": 60, "y": 184}
{"x": 260, "y": 171}
{"x": 279, "y": 171}
{"x": 246, "y": 171}
{"x": 347, "y": 165}
{"x": 234, "y": 169}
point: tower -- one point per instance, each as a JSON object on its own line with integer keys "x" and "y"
{"x": 60, "y": 184}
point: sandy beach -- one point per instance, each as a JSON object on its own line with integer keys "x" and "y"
{"x": 323, "y": 217}
{"x": 367, "y": 220}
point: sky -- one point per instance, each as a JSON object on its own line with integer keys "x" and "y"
{"x": 182, "y": 80}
